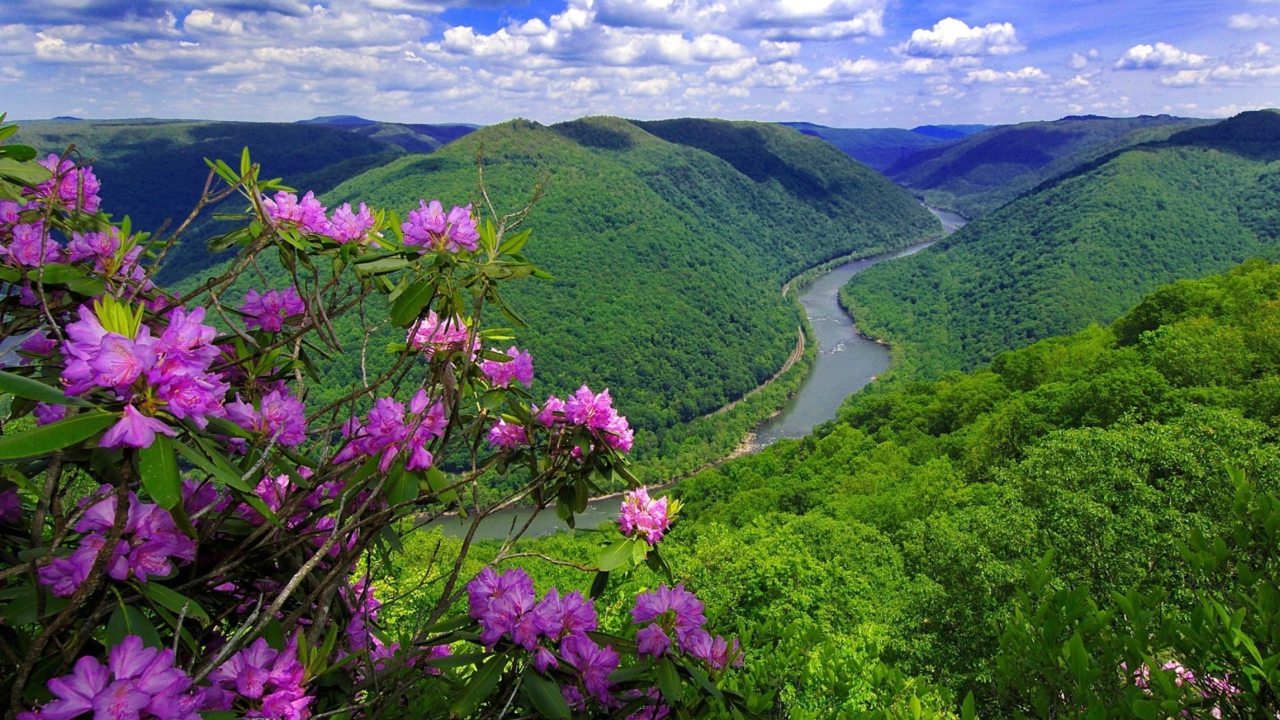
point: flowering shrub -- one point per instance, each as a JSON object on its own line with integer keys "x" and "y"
{"x": 183, "y": 534}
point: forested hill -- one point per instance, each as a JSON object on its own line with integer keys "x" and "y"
{"x": 154, "y": 170}
{"x": 1081, "y": 248}
{"x": 978, "y": 173}
{"x": 880, "y": 148}
{"x": 668, "y": 259}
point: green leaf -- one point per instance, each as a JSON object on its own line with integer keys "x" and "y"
{"x": 599, "y": 585}
{"x": 48, "y": 438}
{"x": 479, "y": 687}
{"x": 409, "y": 305}
{"x": 223, "y": 474}
{"x": 382, "y": 266}
{"x": 55, "y": 274}
{"x": 21, "y": 153}
{"x": 33, "y": 389}
{"x": 514, "y": 243}
{"x": 967, "y": 711}
{"x": 669, "y": 680}
{"x": 158, "y": 467}
{"x": 545, "y": 695}
{"x": 615, "y": 556}
{"x": 29, "y": 174}
{"x": 175, "y": 601}
{"x": 128, "y": 620}
{"x": 446, "y": 626}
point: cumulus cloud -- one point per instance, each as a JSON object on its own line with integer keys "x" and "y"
{"x": 787, "y": 19}
{"x": 1246, "y": 22}
{"x": 951, "y": 37}
{"x": 1027, "y": 74}
{"x": 1160, "y": 56}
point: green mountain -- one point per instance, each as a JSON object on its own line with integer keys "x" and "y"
{"x": 908, "y": 522}
{"x": 410, "y": 137}
{"x": 980, "y": 172}
{"x": 154, "y": 170}
{"x": 1081, "y": 248}
{"x": 668, "y": 258}
{"x": 878, "y": 148}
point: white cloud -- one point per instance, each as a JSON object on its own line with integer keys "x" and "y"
{"x": 786, "y": 19}
{"x": 1246, "y": 21}
{"x": 1159, "y": 56}
{"x": 1077, "y": 61}
{"x": 1025, "y": 75}
{"x": 950, "y": 37}
{"x": 860, "y": 70}
{"x": 769, "y": 50}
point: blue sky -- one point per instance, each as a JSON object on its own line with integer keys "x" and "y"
{"x": 845, "y": 63}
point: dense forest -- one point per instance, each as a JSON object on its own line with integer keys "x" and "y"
{"x": 978, "y": 173}
{"x": 905, "y": 539}
{"x": 1081, "y": 248}
{"x": 668, "y": 252}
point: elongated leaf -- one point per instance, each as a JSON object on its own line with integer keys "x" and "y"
{"x": 29, "y": 174}
{"x": 669, "y": 680}
{"x": 599, "y": 584}
{"x": 479, "y": 687}
{"x": 128, "y": 620}
{"x": 33, "y": 389}
{"x": 545, "y": 695}
{"x": 223, "y": 475}
{"x": 174, "y": 600}
{"x": 159, "y": 469}
{"x": 445, "y": 626}
{"x": 63, "y": 433}
{"x": 409, "y": 305}
{"x": 615, "y": 556}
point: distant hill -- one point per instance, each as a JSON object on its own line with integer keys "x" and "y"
{"x": 153, "y": 170}
{"x": 410, "y": 137}
{"x": 979, "y": 172}
{"x": 1082, "y": 247}
{"x": 668, "y": 258}
{"x": 879, "y": 148}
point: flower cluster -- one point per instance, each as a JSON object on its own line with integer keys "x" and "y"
{"x": 278, "y": 415}
{"x": 502, "y": 372}
{"x": 268, "y": 311}
{"x": 387, "y": 431}
{"x": 136, "y": 682}
{"x": 308, "y": 216}
{"x": 591, "y": 411}
{"x": 348, "y": 226}
{"x": 506, "y": 606}
{"x": 428, "y": 227}
{"x": 642, "y": 515}
{"x": 150, "y": 542}
{"x": 75, "y": 188}
{"x": 264, "y": 682}
{"x": 1208, "y": 686}
{"x": 111, "y": 348}
{"x": 676, "y": 612}
{"x": 432, "y": 335}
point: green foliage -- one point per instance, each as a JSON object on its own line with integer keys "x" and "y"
{"x": 878, "y": 148}
{"x": 977, "y": 174}
{"x": 1081, "y": 249}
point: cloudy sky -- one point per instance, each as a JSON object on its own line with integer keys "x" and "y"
{"x": 845, "y": 63}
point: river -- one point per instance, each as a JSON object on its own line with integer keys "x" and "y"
{"x": 846, "y": 362}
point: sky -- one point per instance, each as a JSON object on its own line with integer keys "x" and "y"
{"x": 843, "y": 63}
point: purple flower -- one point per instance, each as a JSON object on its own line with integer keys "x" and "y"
{"x": 75, "y": 692}
{"x": 567, "y": 615}
{"x": 462, "y": 230}
{"x": 134, "y": 430}
{"x": 38, "y": 344}
{"x": 724, "y": 654}
{"x": 547, "y": 414}
{"x": 194, "y": 397}
{"x": 259, "y": 672}
{"x": 432, "y": 335}
{"x": 120, "y": 360}
{"x": 502, "y": 372}
{"x": 155, "y": 540}
{"x": 99, "y": 246}
{"x": 428, "y": 227}
{"x": 63, "y": 576}
{"x": 642, "y": 515}
{"x": 596, "y": 412}
{"x": 268, "y": 311}
{"x": 279, "y": 415}
{"x": 28, "y": 239}
{"x": 46, "y": 414}
{"x": 348, "y": 226}
{"x": 507, "y": 436}
{"x": 652, "y": 641}
{"x": 653, "y": 711}
{"x": 594, "y": 662}
{"x": 10, "y": 507}
{"x": 76, "y": 188}
{"x": 9, "y": 213}
{"x": 500, "y": 602}
{"x": 573, "y": 696}
{"x": 674, "y": 608}
{"x": 307, "y": 215}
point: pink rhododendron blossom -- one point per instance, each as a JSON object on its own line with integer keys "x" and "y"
{"x": 134, "y": 430}
{"x": 597, "y": 413}
{"x": 46, "y": 414}
{"x": 434, "y": 336}
{"x": 594, "y": 662}
{"x": 644, "y": 516}
{"x": 307, "y": 214}
{"x": 387, "y": 431}
{"x": 551, "y": 412}
{"x": 76, "y": 188}
{"x": 268, "y": 311}
{"x": 271, "y": 680}
{"x": 278, "y": 415}
{"x": 348, "y": 226}
{"x": 429, "y": 227}
{"x": 507, "y": 436}
{"x": 502, "y": 372}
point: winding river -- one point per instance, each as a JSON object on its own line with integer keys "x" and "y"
{"x": 846, "y": 362}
